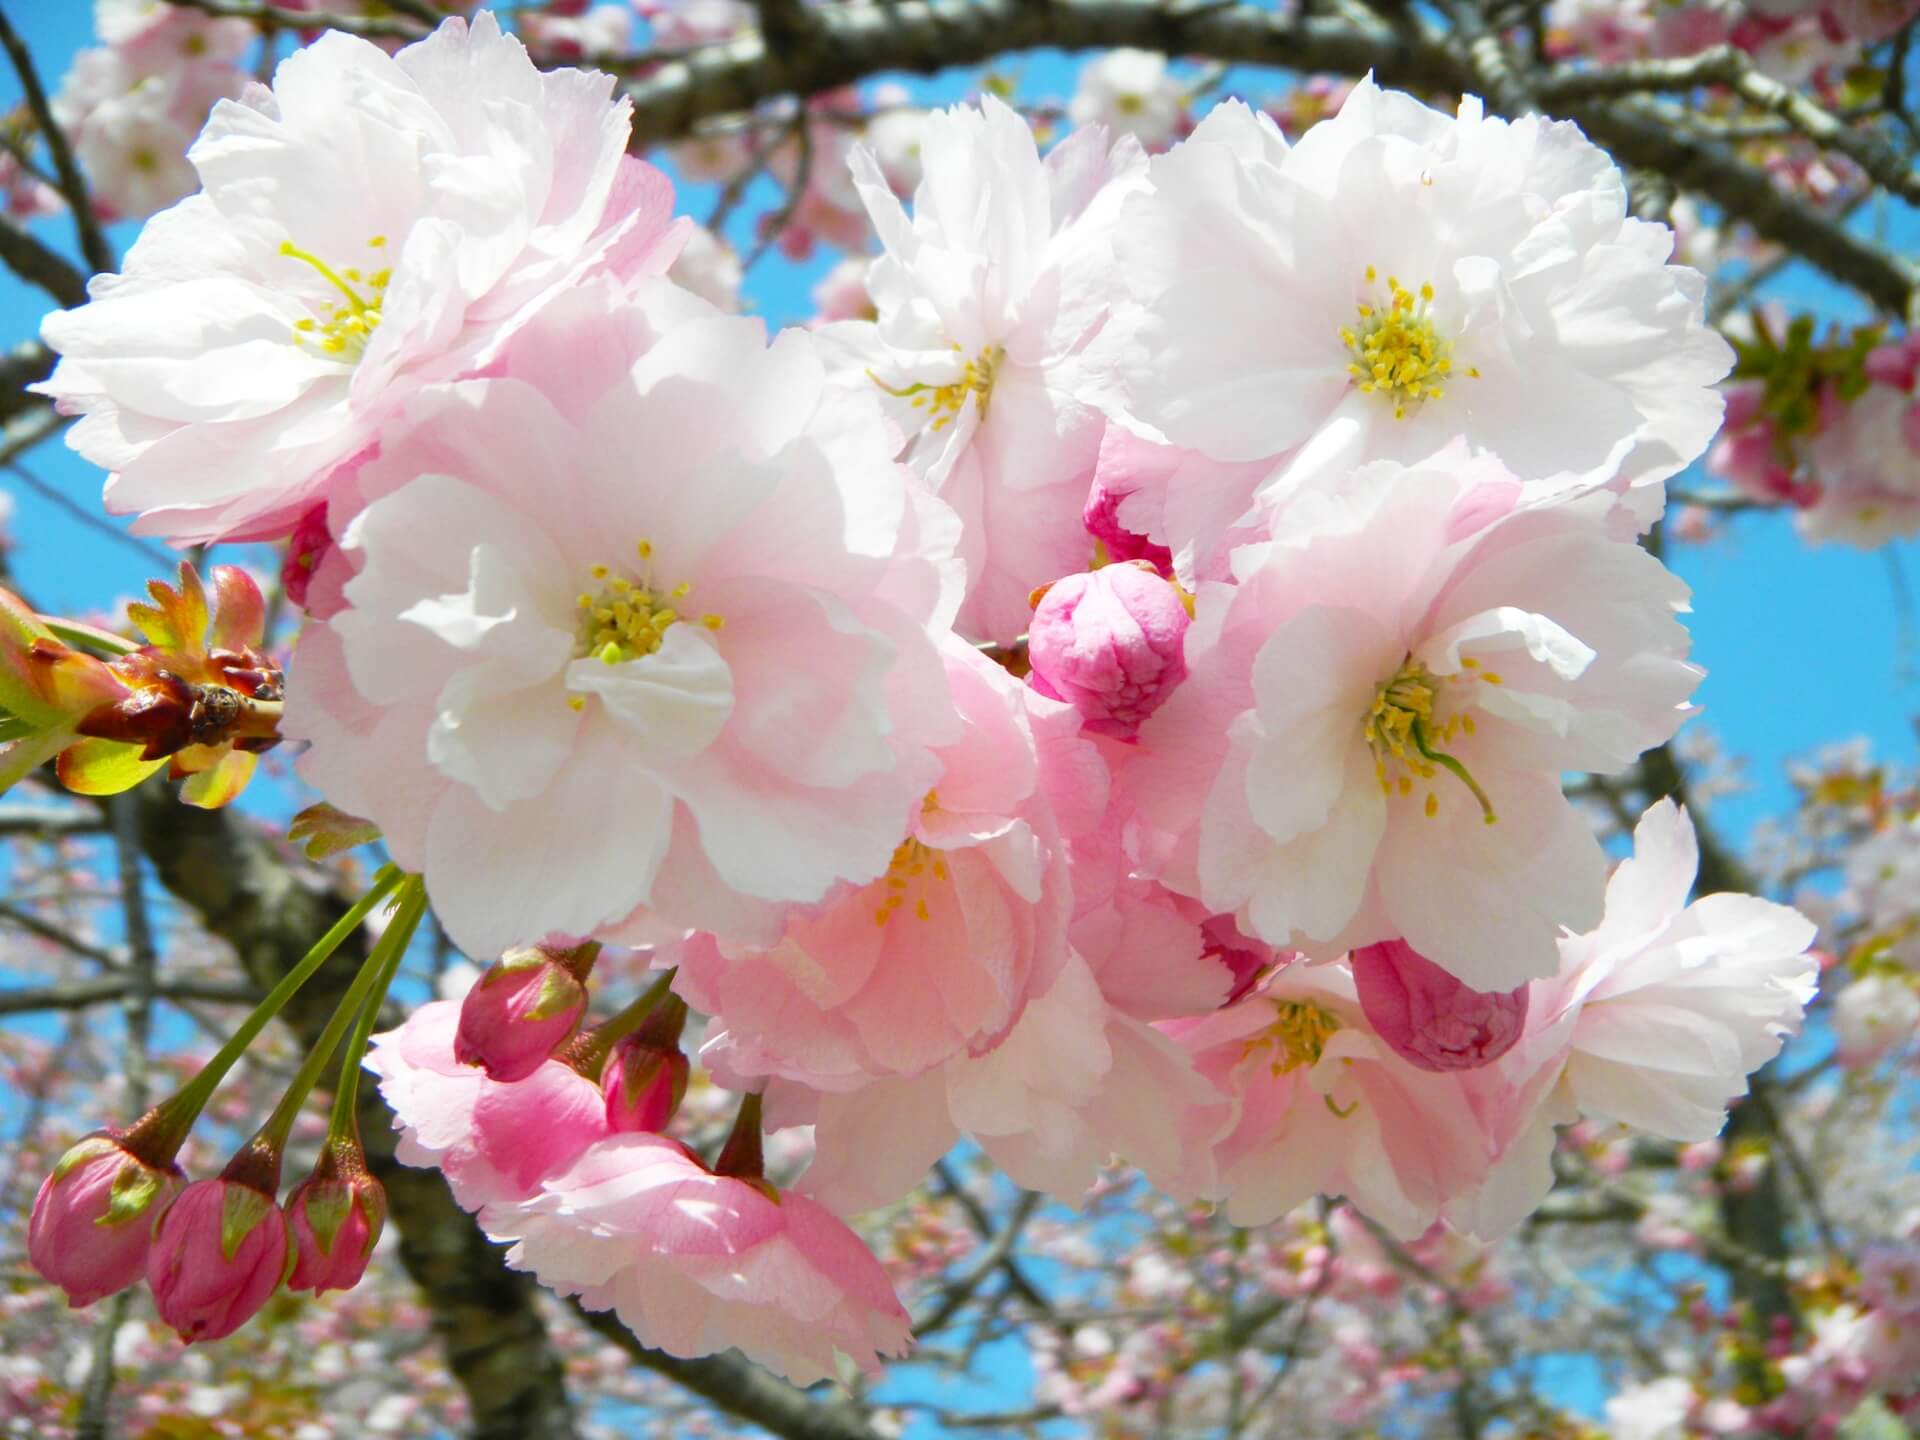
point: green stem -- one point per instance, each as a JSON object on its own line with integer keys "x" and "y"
{"x": 587, "y": 1052}
{"x": 393, "y": 942}
{"x": 343, "y": 1123}
{"x": 192, "y": 1097}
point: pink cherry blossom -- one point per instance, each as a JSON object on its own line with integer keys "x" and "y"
{"x": 493, "y": 1142}
{"x": 1322, "y": 1105}
{"x": 646, "y": 1075}
{"x": 982, "y": 373}
{"x": 364, "y": 230}
{"x": 694, "y": 1262}
{"x": 1370, "y": 740}
{"x": 1398, "y": 278}
{"x": 940, "y": 955}
{"x": 581, "y": 695}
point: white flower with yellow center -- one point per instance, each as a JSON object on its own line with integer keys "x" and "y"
{"x": 986, "y": 299}
{"x": 1377, "y": 715}
{"x": 1399, "y": 278}
{"x": 372, "y": 224}
{"x": 660, "y": 663}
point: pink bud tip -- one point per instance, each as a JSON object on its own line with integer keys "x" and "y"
{"x": 525, "y": 1006}
{"x": 219, "y": 1252}
{"x": 336, "y": 1215}
{"x": 93, "y": 1218}
{"x": 1109, "y": 643}
{"x": 1427, "y": 1017}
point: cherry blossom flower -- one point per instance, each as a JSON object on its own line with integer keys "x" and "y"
{"x": 1370, "y": 740}
{"x": 702, "y": 682}
{"x": 1322, "y": 1105}
{"x": 1399, "y": 278}
{"x": 365, "y": 228}
{"x": 1108, "y": 641}
{"x": 93, "y": 1218}
{"x": 1655, "y": 1020}
{"x": 1130, "y": 92}
{"x": 220, "y": 1250}
{"x": 940, "y": 954}
{"x": 494, "y": 1142}
{"x": 986, "y": 299}
{"x": 693, "y": 1262}
{"x": 1867, "y": 467}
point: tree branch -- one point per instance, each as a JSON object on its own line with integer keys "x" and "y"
{"x": 93, "y": 244}
{"x": 743, "y": 1389}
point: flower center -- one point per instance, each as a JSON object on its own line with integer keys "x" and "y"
{"x": 623, "y": 619}
{"x": 1298, "y": 1035}
{"x": 944, "y": 402}
{"x": 911, "y": 873}
{"x": 1406, "y": 733}
{"x": 1397, "y": 352}
{"x": 350, "y": 321}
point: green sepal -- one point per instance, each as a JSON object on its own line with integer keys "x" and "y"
{"x": 559, "y": 993}
{"x": 132, "y": 1194}
{"x": 326, "y": 1208}
{"x": 82, "y": 1151}
{"x": 242, "y": 1209}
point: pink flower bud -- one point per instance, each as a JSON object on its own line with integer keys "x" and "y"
{"x": 93, "y": 1218}
{"x": 523, "y": 1009}
{"x": 646, "y": 1076}
{"x": 1101, "y": 516}
{"x": 1427, "y": 1017}
{"x": 220, "y": 1250}
{"x": 1744, "y": 404}
{"x": 336, "y": 1215}
{"x": 1109, "y": 643}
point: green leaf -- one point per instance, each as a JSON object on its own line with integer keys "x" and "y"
{"x": 328, "y": 831}
{"x": 104, "y": 767}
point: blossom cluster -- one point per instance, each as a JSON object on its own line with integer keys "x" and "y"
{"x": 1112, "y": 699}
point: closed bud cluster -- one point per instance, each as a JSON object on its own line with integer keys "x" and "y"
{"x": 526, "y": 1005}
{"x": 646, "y": 1076}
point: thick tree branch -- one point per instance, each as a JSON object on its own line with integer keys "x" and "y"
{"x": 271, "y": 16}
{"x": 850, "y": 42}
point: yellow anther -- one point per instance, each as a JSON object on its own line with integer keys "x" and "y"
{"x": 714, "y": 622}
{"x": 645, "y": 549}
{"x": 1433, "y": 804}
{"x": 1396, "y": 350}
{"x": 945, "y": 402}
{"x": 376, "y": 242}
{"x": 1297, "y": 1037}
{"x": 346, "y": 331}
{"x": 1406, "y": 733}
{"x": 576, "y": 703}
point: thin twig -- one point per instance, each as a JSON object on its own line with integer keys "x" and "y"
{"x": 93, "y": 243}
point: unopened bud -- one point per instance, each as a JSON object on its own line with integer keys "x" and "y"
{"x": 93, "y": 1218}
{"x": 336, "y": 1215}
{"x": 646, "y": 1076}
{"x": 219, "y": 1252}
{"x": 1109, "y": 643}
{"x": 526, "y": 1005}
